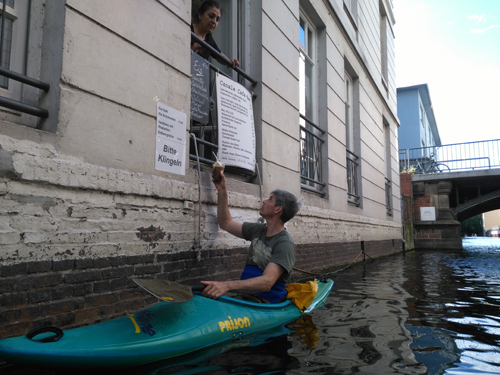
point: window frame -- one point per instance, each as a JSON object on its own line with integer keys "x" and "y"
{"x": 311, "y": 135}
{"x": 384, "y": 48}
{"x": 18, "y": 46}
{"x": 351, "y": 9}
{"x": 352, "y": 140}
{"x": 42, "y": 62}
{"x": 388, "y": 166}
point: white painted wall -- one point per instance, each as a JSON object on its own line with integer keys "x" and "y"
{"x": 93, "y": 183}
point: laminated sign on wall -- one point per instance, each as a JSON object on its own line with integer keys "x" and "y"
{"x": 236, "y": 127}
{"x": 170, "y": 139}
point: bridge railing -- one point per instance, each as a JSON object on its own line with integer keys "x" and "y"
{"x": 453, "y": 157}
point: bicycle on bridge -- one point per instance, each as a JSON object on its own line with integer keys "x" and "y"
{"x": 430, "y": 165}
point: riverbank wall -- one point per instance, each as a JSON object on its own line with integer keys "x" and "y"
{"x": 75, "y": 292}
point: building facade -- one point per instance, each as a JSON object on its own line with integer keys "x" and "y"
{"x": 491, "y": 223}
{"x": 83, "y": 208}
{"x": 418, "y": 134}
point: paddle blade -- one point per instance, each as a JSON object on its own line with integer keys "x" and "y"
{"x": 166, "y": 290}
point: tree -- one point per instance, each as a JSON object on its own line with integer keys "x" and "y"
{"x": 472, "y": 226}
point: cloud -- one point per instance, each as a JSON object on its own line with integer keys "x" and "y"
{"x": 476, "y": 17}
{"x": 481, "y": 31}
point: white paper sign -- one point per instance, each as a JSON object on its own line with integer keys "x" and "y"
{"x": 170, "y": 140}
{"x": 428, "y": 213}
{"x": 236, "y": 126}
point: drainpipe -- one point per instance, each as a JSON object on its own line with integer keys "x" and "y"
{"x": 197, "y": 241}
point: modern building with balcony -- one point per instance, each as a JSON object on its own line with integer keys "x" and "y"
{"x": 91, "y": 192}
{"x": 418, "y": 132}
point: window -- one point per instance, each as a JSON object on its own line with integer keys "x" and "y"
{"x": 31, "y": 61}
{"x": 351, "y": 103}
{"x": 422, "y": 117}
{"x": 307, "y": 68}
{"x": 311, "y": 135}
{"x": 383, "y": 45}
{"x": 14, "y": 34}
{"x": 229, "y": 33}
{"x": 388, "y": 167}
{"x": 351, "y": 8}
{"x": 229, "y": 36}
{"x": 349, "y": 116}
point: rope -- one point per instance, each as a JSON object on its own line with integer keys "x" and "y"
{"x": 329, "y": 273}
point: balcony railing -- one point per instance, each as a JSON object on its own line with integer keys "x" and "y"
{"x": 388, "y": 196}
{"x": 20, "y": 106}
{"x": 311, "y": 142}
{"x": 453, "y": 157}
{"x": 352, "y": 178}
{"x": 223, "y": 58}
{"x": 206, "y": 135}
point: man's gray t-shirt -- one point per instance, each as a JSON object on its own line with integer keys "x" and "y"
{"x": 279, "y": 249}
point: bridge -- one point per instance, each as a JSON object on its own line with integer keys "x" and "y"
{"x": 449, "y": 184}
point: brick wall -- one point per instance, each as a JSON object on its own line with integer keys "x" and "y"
{"x": 319, "y": 258}
{"x": 428, "y": 233}
{"x": 423, "y": 201}
{"x": 70, "y": 293}
{"x": 406, "y": 188}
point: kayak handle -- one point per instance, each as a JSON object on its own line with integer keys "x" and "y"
{"x": 35, "y": 332}
{"x": 198, "y": 287}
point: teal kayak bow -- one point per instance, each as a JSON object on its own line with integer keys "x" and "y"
{"x": 162, "y": 331}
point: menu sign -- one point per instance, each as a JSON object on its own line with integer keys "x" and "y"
{"x": 200, "y": 99}
{"x": 236, "y": 126}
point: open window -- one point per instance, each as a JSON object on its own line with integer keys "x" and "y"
{"x": 230, "y": 38}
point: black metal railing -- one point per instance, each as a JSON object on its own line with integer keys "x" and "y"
{"x": 224, "y": 59}
{"x": 352, "y": 178}
{"x": 206, "y": 135}
{"x": 311, "y": 142}
{"x": 453, "y": 157}
{"x": 403, "y": 160}
{"x": 20, "y": 106}
{"x": 388, "y": 196}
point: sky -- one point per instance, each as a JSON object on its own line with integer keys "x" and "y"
{"x": 454, "y": 47}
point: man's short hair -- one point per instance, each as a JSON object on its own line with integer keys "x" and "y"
{"x": 289, "y": 203}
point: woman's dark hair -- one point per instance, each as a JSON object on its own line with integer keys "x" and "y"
{"x": 289, "y": 203}
{"x": 202, "y": 8}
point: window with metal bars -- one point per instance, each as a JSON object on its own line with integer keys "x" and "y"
{"x": 311, "y": 135}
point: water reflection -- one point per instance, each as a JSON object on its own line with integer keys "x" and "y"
{"x": 455, "y": 308}
{"x": 424, "y": 312}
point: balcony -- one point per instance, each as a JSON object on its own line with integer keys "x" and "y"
{"x": 311, "y": 142}
{"x": 352, "y": 178}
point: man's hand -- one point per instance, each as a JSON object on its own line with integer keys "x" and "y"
{"x": 220, "y": 185}
{"x": 214, "y": 289}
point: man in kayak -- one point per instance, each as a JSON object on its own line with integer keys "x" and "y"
{"x": 271, "y": 255}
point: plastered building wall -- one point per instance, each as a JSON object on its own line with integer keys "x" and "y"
{"x": 88, "y": 197}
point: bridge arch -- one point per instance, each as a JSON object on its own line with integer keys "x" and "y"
{"x": 455, "y": 196}
{"x": 479, "y": 205}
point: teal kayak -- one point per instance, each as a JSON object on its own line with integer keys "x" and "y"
{"x": 163, "y": 331}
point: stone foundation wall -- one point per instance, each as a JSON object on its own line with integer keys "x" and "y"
{"x": 70, "y": 293}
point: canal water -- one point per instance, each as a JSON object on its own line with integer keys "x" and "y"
{"x": 424, "y": 312}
